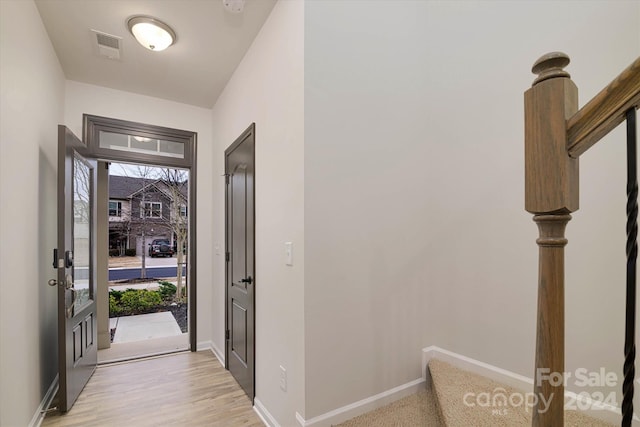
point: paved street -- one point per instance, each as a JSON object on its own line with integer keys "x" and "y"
{"x": 122, "y": 268}
{"x": 134, "y": 273}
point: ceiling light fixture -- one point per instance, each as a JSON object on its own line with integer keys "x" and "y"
{"x": 142, "y": 139}
{"x": 233, "y": 6}
{"x": 151, "y": 33}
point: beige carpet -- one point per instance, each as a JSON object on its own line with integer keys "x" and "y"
{"x": 442, "y": 404}
{"x": 419, "y": 409}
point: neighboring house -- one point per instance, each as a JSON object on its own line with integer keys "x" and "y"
{"x": 141, "y": 210}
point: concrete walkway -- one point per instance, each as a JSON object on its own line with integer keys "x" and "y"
{"x": 144, "y": 327}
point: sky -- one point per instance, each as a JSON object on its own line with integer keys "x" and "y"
{"x": 125, "y": 169}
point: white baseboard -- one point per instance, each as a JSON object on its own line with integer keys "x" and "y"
{"x": 608, "y": 413}
{"x": 513, "y": 380}
{"x": 362, "y": 406}
{"x": 209, "y": 345}
{"x": 44, "y": 405}
{"x": 264, "y": 414}
{"x": 219, "y": 353}
{"x": 205, "y": 345}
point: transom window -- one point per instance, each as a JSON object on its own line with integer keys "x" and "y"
{"x": 115, "y": 208}
{"x": 151, "y": 210}
{"x": 131, "y": 142}
{"x": 141, "y": 144}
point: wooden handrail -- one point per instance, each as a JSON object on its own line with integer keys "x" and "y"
{"x": 556, "y": 134}
{"x": 605, "y": 111}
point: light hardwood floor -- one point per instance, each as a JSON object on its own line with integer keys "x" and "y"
{"x": 185, "y": 389}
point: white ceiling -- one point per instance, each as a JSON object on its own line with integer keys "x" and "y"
{"x": 210, "y": 44}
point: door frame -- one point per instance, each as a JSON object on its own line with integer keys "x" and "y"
{"x": 250, "y": 132}
{"x": 92, "y": 126}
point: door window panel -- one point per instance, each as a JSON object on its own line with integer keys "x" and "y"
{"x": 82, "y": 202}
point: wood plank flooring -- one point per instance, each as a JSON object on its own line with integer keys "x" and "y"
{"x": 185, "y": 389}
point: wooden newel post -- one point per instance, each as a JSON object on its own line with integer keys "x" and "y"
{"x": 551, "y": 193}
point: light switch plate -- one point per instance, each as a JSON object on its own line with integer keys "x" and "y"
{"x": 288, "y": 253}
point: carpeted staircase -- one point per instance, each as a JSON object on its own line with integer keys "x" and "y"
{"x": 442, "y": 404}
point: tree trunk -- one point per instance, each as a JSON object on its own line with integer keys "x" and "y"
{"x": 143, "y": 268}
{"x": 180, "y": 260}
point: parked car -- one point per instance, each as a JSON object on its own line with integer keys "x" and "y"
{"x": 160, "y": 247}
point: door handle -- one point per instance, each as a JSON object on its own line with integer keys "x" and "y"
{"x": 248, "y": 280}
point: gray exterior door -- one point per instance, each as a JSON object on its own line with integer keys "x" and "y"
{"x": 75, "y": 259}
{"x": 240, "y": 271}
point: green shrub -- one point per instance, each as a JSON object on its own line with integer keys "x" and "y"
{"x": 139, "y": 300}
{"x": 115, "y": 309}
{"x": 167, "y": 290}
{"x": 116, "y": 295}
{"x": 114, "y": 252}
{"x": 130, "y": 252}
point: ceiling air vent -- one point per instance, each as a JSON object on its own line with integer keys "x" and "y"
{"x": 107, "y": 45}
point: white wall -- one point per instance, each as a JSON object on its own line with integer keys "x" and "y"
{"x": 415, "y": 229}
{"x": 84, "y": 98}
{"x": 267, "y": 88}
{"x": 31, "y": 106}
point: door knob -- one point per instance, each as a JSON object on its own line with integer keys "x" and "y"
{"x": 248, "y": 280}
{"x": 65, "y": 283}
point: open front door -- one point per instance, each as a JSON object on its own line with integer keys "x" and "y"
{"x": 75, "y": 260}
{"x": 240, "y": 272}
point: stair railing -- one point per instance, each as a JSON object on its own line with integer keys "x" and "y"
{"x": 556, "y": 134}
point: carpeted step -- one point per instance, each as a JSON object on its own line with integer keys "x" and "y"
{"x": 462, "y": 396}
{"x": 418, "y": 409}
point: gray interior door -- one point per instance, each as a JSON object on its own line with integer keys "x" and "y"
{"x": 75, "y": 260}
{"x": 240, "y": 276}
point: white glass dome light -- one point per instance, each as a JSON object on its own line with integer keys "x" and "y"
{"x": 151, "y": 33}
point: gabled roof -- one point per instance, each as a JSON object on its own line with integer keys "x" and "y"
{"x": 123, "y": 187}
{"x": 183, "y": 188}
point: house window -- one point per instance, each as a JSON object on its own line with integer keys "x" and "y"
{"x": 183, "y": 210}
{"x": 151, "y": 210}
{"x": 115, "y": 208}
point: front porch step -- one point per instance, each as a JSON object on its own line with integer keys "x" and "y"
{"x": 451, "y": 385}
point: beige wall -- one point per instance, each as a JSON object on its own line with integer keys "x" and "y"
{"x": 415, "y": 231}
{"x": 267, "y": 89}
{"x": 31, "y": 106}
{"x": 84, "y": 98}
